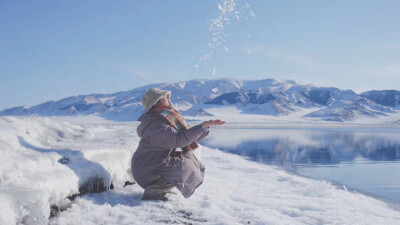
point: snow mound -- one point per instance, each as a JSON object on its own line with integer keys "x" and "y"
{"x": 31, "y": 177}
{"x": 42, "y": 163}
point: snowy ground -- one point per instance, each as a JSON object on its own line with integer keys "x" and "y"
{"x": 45, "y": 160}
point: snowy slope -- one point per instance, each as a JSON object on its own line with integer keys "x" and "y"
{"x": 388, "y": 97}
{"x": 260, "y": 97}
{"x": 45, "y": 160}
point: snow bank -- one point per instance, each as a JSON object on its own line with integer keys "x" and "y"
{"x": 44, "y": 161}
{"x": 31, "y": 178}
{"x": 235, "y": 190}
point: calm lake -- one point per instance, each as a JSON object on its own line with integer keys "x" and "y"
{"x": 362, "y": 159}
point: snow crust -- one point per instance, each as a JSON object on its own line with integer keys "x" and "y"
{"x": 235, "y": 190}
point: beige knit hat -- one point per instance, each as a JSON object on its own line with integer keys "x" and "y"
{"x": 152, "y": 96}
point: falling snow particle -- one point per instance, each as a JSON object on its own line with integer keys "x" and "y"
{"x": 227, "y": 9}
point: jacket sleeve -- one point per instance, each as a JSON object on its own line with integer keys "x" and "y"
{"x": 202, "y": 136}
{"x": 162, "y": 134}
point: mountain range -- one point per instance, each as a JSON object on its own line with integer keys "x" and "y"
{"x": 264, "y": 97}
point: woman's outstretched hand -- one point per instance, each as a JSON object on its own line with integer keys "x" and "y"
{"x": 209, "y": 123}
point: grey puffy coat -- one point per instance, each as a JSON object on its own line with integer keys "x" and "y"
{"x": 156, "y": 157}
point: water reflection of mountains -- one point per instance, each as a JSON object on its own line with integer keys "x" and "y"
{"x": 326, "y": 148}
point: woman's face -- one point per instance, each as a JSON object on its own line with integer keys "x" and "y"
{"x": 165, "y": 101}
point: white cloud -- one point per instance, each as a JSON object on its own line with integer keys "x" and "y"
{"x": 141, "y": 74}
{"x": 287, "y": 57}
{"x": 148, "y": 74}
{"x": 394, "y": 46}
{"x": 392, "y": 69}
{"x": 131, "y": 69}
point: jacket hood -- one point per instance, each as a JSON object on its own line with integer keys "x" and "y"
{"x": 146, "y": 119}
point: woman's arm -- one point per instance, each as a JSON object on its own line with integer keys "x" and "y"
{"x": 204, "y": 134}
{"x": 164, "y": 135}
{"x": 206, "y": 125}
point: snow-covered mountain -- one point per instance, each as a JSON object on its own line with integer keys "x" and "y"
{"x": 387, "y": 97}
{"x": 196, "y": 97}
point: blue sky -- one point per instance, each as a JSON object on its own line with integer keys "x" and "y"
{"x": 54, "y": 49}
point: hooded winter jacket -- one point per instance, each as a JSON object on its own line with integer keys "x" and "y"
{"x": 156, "y": 155}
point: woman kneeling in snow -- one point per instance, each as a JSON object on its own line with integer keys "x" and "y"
{"x": 156, "y": 165}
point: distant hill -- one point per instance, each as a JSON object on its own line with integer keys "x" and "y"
{"x": 194, "y": 97}
{"x": 388, "y": 97}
